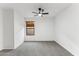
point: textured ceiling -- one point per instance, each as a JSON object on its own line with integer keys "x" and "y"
{"x": 26, "y": 9}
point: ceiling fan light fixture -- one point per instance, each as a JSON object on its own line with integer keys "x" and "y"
{"x": 39, "y": 14}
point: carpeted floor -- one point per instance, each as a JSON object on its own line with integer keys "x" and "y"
{"x": 37, "y": 49}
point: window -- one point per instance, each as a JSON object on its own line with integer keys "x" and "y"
{"x": 30, "y": 28}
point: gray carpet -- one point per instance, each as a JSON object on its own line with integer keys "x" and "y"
{"x": 37, "y": 49}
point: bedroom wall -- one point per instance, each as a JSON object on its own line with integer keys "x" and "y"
{"x": 43, "y": 30}
{"x": 11, "y": 29}
{"x": 67, "y": 29}
{"x": 18, "y": 29}
{"x": 1, "y": 30}
{"x": 8, "y": 28}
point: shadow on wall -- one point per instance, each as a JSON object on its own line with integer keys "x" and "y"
{"x": 67, "y": 28}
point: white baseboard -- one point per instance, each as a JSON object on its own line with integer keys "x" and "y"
{"x": 67, "y": 44}
{"x": 1, "y": 49}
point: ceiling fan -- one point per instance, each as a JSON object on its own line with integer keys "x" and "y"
{"x": 40, "y": 12}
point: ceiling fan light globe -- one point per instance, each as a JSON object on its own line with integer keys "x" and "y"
{"x": 39, "y": 14}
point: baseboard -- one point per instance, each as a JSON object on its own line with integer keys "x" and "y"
{"x": 36, "y": 40}
{"x": 1, "y": 49}
{"x": 68, "y": 45}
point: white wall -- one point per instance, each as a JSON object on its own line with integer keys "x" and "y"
{"x": 1, "y": 30}
{"x": 8, "y": 28}
{"x": 11, "y": 29}
{"x": 67, "y": 29}
{"x": 18, "y": 29}
{"x": 43, "y": 30}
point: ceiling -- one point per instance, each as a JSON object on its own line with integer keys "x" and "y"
{"x": 26, "y": 9}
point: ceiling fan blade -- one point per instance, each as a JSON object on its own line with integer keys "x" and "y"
{"x": 35, "y": 12}
{"x": 45, "y": 13}
{"x": 35, "y": 15}
{"x": 42, "y": 10}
